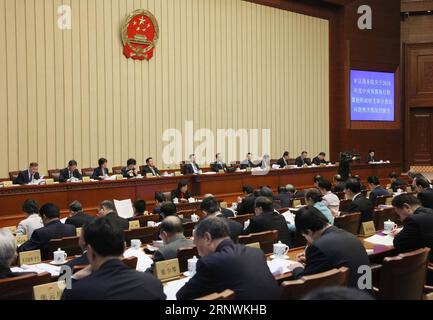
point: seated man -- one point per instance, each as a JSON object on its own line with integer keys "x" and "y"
{"x": 225, "y": 265}
{"x": 53, "y": 229}
{"x": 130, "y": 171}
{"x": 303, "y": 160}
{"x": 284, "y": 197}
{"x": 424, "y": 192}
{"x": 328, "y": 247}
{"x": 248, "y": 163}
{"x": 267, "y": 192}
{"x": 167, "y": 209}
{"x": 101, "y": 172}
{"x": 82, "y": 259}
{"x": 159, "y": 199}
{"x": 246, "y": 205}
{"x": 192, "y": 167}
{"x": 370, "y": 157}
{"x": 417, "y": 221}
{"x": 211, "y": 208}
{"x": 139, "y": 207}
{"x": 77, "y": 217}
{"x": 294, "y": 192}
{"x": 396, "y": 183}
{"x": 316, "y": 180}
{"x": 29, "y": 175}
{"x": 107, "y": 277}
{"x": 329, "y": 199}
{"x": 218, "y": 164}
{"x": 376, "y": 189}
{"x": 150, "y": 168}
{"x": 359, "y": 202}
{"x": 70, "y": 173}
{"x": 339, "y": 183}
{"x": 108, "y": 209}
{"x": 267, "y": 219}
{"x": 284, "y": 161}
{"x": 171, "y": 234}
{"x": 33, "y": 220}
{"x": 181, "y": 193}
{"x": 320, "y": 159}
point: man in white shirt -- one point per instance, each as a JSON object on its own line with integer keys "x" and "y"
{"x": 330, "y": 199}
{"x": 33, "y": 220}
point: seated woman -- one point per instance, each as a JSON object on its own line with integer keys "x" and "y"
{"x": 101, "y": 172}
{"x": 181, "y": 193}
{"x": 314, "y": 198}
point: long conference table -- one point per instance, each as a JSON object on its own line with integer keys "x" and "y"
{"x": 224, "y": 186}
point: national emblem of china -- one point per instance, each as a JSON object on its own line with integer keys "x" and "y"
{"x": 140, "y": 33}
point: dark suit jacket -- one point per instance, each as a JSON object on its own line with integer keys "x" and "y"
{"x": 125, "y": 173}
{"x": 41, "y": 237}
{"x": 426, "y": 198}
{"x": 78, "y": 261}
{"x": 377, "y": 192}
{"x": 217, "y": 167}
{"x": 396, "y": 185}
{"x": 339, "y": 187}
{"x": 285, "y": 199}
{"x": 235, "y": 267}
{"x": 270, "y": 221}
{"x": 247, "y": 205}
{"x": 235, "y": 228}
{"x": 334, "y": 249}
{"x": 169, "y": 251}
{"x": 371, "y": 159}
{"x": 249, "y": 164}
{"x": 227, "y": 213}
{"x": 176, "y": 194}
{"x": 121, "y": 222}
{"x": 318, "y": 162}
{"x": 300, "y": 162}
{"x": 115, "y": 281}
{"x": 80, "y": 219}
{"x": 64, "y": 175}
{"x": 24, "y": 177}
{"x": 417, "y": 232}
{"x": 146, "y": 170}
{"x": 363, "y": 205}
{"x": 281, "y": 163}
{"x": 99, "y": 172}
{"x": 189, "y": 169}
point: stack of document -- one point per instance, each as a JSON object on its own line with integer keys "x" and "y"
{"x": 172, "y": 287}
{"x": 381, "y": 240}
{"x": 39, "y": 268}
{"x": 280, "y": 266}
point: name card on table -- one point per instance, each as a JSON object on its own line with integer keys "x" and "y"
{"x": 21, "y": 239}
{"x": 86, "y": 179}
{"x": 49, "y": 181}
{"x": 223, "y": 205}
{"x": 177, "y": 173}
{"x": 78, "y": 231}
{"x": 119, "y": 177}
{"x": 254, "y": 245}
{"x": 49, "y": 291}
{"x": 30, "y": 257}
{"x": 368, "y": 194}
{"x": 390, "y": 192}
{"x": 388, "y": 201}
{"x": 167, "y": 270}
{"x": 408, "y": 189}
{"x": 7, "y": 183}
{"x": 149, "y": 175}
{"x": 221, "y": 171}
{"x": 12, "y": 229}
{"x": 367, "y": 228}
{"x": 296, "y": 203}
{"x": 134, "y": 224}
{"x": 322, "y": 165}
{"x": 248, "y": 169}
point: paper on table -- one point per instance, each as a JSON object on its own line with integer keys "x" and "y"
{"x": 124, "y": 208}
{"x": 63, "y": 220}
{"x": 172, "y": 287}
{"x": 144, "y": 262}
{"x": 280, "y": 266}
{"x": 290, "y": 218}
{"x": 382, "y": 240}
{"x": 39, "y": 268}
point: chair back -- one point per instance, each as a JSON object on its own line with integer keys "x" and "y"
{"x": 266, "y": 240}
{"x": 225, "y": 295}
{"x": 13, "y": 175}
{"x": 145, "y": 219}
{"x": 130, "y": 262}
{"x": 344, "y": 205}
{"x": 403, "y": 277}
{"x": 242, "y": 218}
{"x": 21, "y": 288}
{"x": 69, "y": 244}
{"x": 54, "y": 174}
{"x": 296, "y": 289}
{"x": 349, "y": 222}
{"x": 381, "y": 200}
{"x": 117, "y": 170}
{"x": 382, "y": 215}
{"x": 145, "y": 235}
{"x": 282, "y": 210}
{"x": 183, "y": 254}
{"x": 188, "y": 228}
{"x": 87, "y": 172}
{"x": 186, "y": 214}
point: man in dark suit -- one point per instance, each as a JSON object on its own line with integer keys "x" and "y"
{"x": 339, "y": 184}
{"x": 303, "y": 160}
{"x": 218, "y": 165}
{"x": 417, "y": 221}
{"x": 129, "y": 171}
{"x": 77, "y": 217}
{"x": 108, "y": 209}
{"x": 70, "y": 173}
{"x": 192, "y": 167}
{"x": 359, "y": 202}
{"x": 211, "y": 208}
{"x": 53, "y": 229}
{"x": 80, "y": 260}
{"x": 226, "y": 265}
{"x": 101, "y": 171}
{"x": 267, "y": 219}
{"x": 320, "y": 159}
{"x": 107, "y": 277}
{"x": 150, "y": 168}
{"x": 424, "y": 192}
{"x": 328, "y": 247}
{"x": 248, "y": 163}
{"x": 246, "y": 205}
{"x": 396, "y": 183}
{"x": 284, "y": 197}
{"x": 29, "y": 175}
{"x": 370, "y": 157}
{"x": 376, "y": 189}
{"x": 284, "y": 161}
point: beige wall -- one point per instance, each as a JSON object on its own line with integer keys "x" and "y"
{"x": 220, "y": 63}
